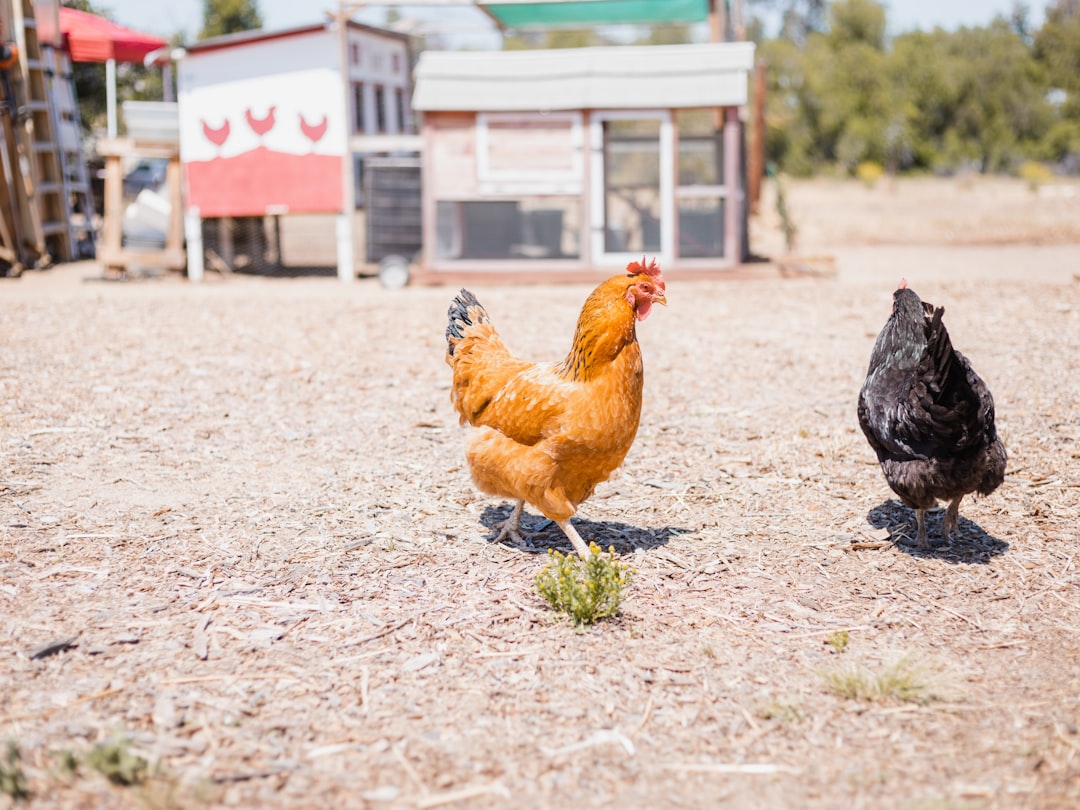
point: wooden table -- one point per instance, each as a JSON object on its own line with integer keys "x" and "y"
{"x": 111, "y": 252}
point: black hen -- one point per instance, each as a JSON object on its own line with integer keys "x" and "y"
{"x": 928, "y": 415}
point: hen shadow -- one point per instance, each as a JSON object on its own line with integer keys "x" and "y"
{"x": 971, "y": 544}
{"x": 545, "y": 534}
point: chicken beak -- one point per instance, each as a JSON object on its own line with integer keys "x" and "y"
{"x": 661, "y": 300}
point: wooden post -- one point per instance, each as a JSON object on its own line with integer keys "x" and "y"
{"x": 112, "y": 230}
{"x": 733, "y": 208}
{"x": 346, "y": 268}
{"x": 756, "y": 163}
{"x": 717, "y": 33}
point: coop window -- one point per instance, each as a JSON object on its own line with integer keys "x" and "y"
{"x": 358, "y": 107}
{"x": 540, "y": 150}
{"x": 703, "y": 191}
{"x": 399, "y": 102}
{"x": 527, "y": 227}
{"x": 380, "y": 108}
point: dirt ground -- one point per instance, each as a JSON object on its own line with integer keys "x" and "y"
{"x": 236, "y": 530}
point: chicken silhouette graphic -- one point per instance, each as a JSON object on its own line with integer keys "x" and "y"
{"x": 260, "y": 126}
{"x": 216, "y": 136}
{"x": 313, "y": 132}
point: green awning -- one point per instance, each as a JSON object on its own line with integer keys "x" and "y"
{"x": 595, "y": 12}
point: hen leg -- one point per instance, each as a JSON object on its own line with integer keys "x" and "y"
{"x": 575, "y": 538}
{"x": 512, "y": 525}
{"x": 952, "y": 519}
{"x": 920, "y": 520}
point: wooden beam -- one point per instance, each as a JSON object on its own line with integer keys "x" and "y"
{"x": 756, "y": 160}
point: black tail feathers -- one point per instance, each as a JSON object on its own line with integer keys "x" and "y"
{"x": 464, "y": 311}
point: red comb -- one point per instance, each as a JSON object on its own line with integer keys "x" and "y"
{"x": 903, "y": 284}
{"x": 650, "y": 269}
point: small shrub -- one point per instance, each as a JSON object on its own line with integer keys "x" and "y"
{"x": 586, "y": 590}
{"x": 869, "y": 173}
{"x": 115, "y": 761}
{"x": 838, "y": 640}
{"x": 905, "y": 680}
{"x": 1035, "y": 174}
{"x": 12, "y": 777}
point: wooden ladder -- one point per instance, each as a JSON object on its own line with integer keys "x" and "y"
{"x": 76, "y": 194}
{"x": 38, "y": 146}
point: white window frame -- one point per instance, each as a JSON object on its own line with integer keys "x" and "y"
{"x": 541, "y": 181}
{"x": 667, "y": 184}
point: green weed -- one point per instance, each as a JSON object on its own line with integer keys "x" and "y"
{"x": 115, "y": 761}
{"x": 904, "y": 680}
{"x": 12, "y": 777}
{"x": 838, "y": 640}
{"x": 586, "y": 590}
{"x": 781, "y": 712}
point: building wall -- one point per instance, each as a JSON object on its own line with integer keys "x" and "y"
{"x": 380, "y": 62}
{"x": 264, "y": 123}
{"x": 451, "y": 155}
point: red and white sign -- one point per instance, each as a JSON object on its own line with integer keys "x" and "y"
{"x": 263, "y": 127}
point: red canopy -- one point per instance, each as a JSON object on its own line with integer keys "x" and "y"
{"x": 94, "y": 39}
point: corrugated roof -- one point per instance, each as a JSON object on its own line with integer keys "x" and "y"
{"x": 618, "y": 77}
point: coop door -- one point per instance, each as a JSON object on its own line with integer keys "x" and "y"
{"x": 632, "y": 186}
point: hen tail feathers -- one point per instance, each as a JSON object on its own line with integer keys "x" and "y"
{"x": 465, "y": 311}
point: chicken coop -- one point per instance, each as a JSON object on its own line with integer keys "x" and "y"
{"x": 561, "y": 164}
{"x": 275, "y": 129}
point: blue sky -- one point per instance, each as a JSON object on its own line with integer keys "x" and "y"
{"x": 168, "y": 17}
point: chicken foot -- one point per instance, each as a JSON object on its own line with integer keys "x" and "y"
{"x": 949, "y": 524}
{"x": 511, "y": 527}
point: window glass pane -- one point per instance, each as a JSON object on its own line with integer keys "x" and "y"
{"x": 701, "y": 227}
{"x": 701, "y": 149}
{"x": 358, "y": 107}
{"x": 632, "y": 186}
{"x": 380, "y": 108}
{"x": 700, "y": 161}
{"x": 399, "y": 98}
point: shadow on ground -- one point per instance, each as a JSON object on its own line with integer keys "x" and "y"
{"x": 544, "y": 534}
{"x": 970, "y": 545}
{"x": 288, "y": 271}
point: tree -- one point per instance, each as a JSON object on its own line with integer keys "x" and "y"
{"x": 854, "y": 96}
{"x": 924, "y": 98}
{"x": 940, "y": 100}
{"x": 830, "y": 101}
{"x": 222, "y": 17}
{"x": 554, "y": 38}
{"x": 800, "y": 18}
{"x": 1057, "y": 49}
{"x": 1000, "y": 110}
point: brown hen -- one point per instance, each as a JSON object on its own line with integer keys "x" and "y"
{"x": 547, "y": 433}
